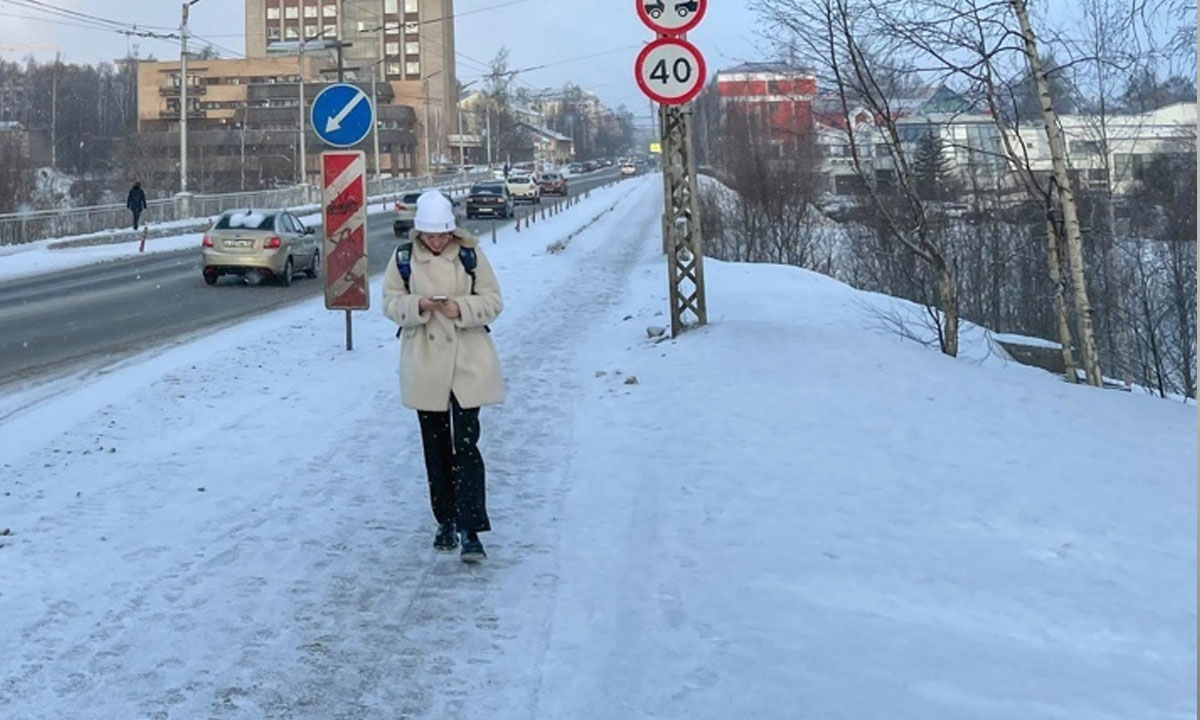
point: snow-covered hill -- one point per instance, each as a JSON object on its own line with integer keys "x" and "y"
{"x": 788, "y": 514}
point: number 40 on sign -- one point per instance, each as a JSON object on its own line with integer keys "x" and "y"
{"x": 670, "y": 71}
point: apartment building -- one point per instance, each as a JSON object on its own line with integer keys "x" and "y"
{"x": 244, "y": 120}
{"x": 407, "y": 44}
{"x": 1115, "y": 148}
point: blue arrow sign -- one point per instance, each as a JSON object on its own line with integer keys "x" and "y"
{"x": 342, "y": 115}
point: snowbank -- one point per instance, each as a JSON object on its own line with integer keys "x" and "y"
{"x": 789, "y": 513}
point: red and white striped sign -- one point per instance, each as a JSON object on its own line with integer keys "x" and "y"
{"x": 345, "y": 213}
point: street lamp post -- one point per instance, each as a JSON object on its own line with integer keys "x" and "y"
{"x": 428, "y": 157}
{"x": 183, "y": 107}
{"x": 303, "y": 131}
{"x": 375, "y": 116}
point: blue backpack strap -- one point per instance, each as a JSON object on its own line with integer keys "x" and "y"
{"x": 466, "y": 255}
{"x": 404, "y": 265}
{"x": 404, "y": 262}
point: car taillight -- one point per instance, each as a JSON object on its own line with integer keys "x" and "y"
{"x": 400, "y": 206}
{"x": 206, "y": 242}
{"x": 272, "y": 243}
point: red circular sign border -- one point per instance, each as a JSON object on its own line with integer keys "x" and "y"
{"x": 690, "y": 25}
{"x": 700, "y": 66}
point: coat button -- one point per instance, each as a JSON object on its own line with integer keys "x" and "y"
{"x": 431, "y": 336}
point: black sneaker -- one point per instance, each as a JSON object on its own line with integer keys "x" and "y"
{"x": 446, "y": 538}
{"x": 472, "y": 549}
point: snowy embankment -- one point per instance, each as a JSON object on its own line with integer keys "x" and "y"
{"x": 786, "y": 514}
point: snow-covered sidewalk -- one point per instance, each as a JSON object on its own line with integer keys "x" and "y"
{"x": 786, "y": 515}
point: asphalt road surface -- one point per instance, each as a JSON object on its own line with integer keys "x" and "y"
{"x": 91, "y": 316}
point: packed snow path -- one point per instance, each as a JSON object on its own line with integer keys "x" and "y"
{"x": 789, "y": 515}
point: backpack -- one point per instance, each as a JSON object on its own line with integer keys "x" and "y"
{"x": 466, "y": 256}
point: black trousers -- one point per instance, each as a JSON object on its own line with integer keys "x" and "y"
{"x": 455, "y": 467}
{"x": 136, "y": 214}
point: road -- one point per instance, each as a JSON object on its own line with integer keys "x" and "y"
{"x": 90, "y": 316}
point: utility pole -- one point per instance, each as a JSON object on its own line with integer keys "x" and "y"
{"x": 375, "y": 117}
{"x": 183, "y": 98}
{"x": 425, "y": 92}
{"x": 303, "y": 129}
{"x": 243, "y": 163}
{"x": 54, "y": 114}
{"x": 487, "y": 110}
{"x": 462, "y": 145}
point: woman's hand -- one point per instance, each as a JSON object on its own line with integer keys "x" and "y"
{"x": 427, "y": 304}
{"x": 449, "y": 308}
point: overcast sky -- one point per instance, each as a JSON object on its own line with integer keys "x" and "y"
{"x": 536, "y": 32}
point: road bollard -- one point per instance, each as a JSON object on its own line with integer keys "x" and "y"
{"x": 518, "y": 216}
{"x": 493, "y": 230}
{"x": 142, "y": 244}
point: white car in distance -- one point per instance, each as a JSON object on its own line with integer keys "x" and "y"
{"x": 523, "y": 188}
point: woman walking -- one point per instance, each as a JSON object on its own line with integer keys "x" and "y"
{"x": 441, "y": 291}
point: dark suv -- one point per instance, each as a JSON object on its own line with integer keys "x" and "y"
{"x": 490, "y": 199}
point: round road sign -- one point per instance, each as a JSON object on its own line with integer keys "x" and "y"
{"x": 670, "y": 71}
{"x": 342, "y": 115}
{"x": 671, "y": 17}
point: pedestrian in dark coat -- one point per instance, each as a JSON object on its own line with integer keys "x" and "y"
{"x": 136, "y": 202}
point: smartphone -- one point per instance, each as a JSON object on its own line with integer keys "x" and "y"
{"x": 439, "y": 298}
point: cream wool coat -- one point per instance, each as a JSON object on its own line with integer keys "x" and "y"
{"x": 439, "y": 355}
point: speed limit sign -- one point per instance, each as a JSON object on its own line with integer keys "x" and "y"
{"x": 670, "y": 71}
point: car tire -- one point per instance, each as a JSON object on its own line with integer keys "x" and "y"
{"x": 210, "y": 278}
{"x": 286, "y": 278}
{"x": 314, "y": 271}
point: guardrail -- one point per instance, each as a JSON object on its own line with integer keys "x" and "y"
{"x": 25, "y": 227}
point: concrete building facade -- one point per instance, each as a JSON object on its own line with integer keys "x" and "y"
{"x": 407, "y": 44}
{"x": 243, "y": 122}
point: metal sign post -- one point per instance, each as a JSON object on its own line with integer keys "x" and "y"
{"x": 671, "y": 72}
{"x": 343, "y": 116}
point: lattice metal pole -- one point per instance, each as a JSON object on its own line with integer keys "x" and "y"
{"x": 681, "y": 221}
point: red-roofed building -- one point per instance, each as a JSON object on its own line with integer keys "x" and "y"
{"x": 776, "y": 96}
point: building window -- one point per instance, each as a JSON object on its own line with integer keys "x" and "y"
{"x": 412, "y": 28}
{"x": 393, "y": 68}
{"x": 329, "y": 11}
{"x": 412, "y": 69}
{"x": 291, "y": 33}
{"x": 310, "y": 11}
{"x": 310, "y": 31}
{"x": 1085, "y": 147}
{"x": 291, "y": 13}
{"x": 411, "y": 6}
{"x": 412, "y": 47}
{"x": 273, "y": 32}
{"x": 272, "y": 13}
{"x": 390, "y": 7}
{"x": 391, "y": 48}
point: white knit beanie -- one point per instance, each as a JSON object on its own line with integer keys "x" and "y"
{"x": 435, "y": 214}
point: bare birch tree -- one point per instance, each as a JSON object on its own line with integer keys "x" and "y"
{"x": 1066, "y": 199}
{"x": 840, "y": 46}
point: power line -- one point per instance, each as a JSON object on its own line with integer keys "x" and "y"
{"x": 98, "y": 21}
{"x": 82, "y": 20}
